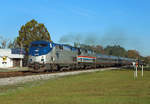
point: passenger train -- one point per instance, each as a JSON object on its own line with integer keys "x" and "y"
{"x": 49, "y": 56}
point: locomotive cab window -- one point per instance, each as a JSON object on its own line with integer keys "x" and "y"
{"x": 34, "y": 45}
{"x": 38, "y": 45}
{"x": 42, "y": 45}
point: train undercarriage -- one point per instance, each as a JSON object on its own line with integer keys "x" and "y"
{"x": 41, "y": 67}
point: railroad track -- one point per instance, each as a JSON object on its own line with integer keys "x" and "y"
{"x": 27, "y": 73}
{"x": 16, "y": 73}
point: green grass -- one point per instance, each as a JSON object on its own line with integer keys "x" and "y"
{"x": 107, "y": 87}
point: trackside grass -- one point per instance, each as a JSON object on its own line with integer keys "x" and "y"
{"x": 107, "y": 87}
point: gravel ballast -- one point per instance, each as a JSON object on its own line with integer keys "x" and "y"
{"x": 23, "y": 79}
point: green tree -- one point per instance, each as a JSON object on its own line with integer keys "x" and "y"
{"x": 4, "y": 42}
{"x": 147, "y": 60}
{"x": 133, "y": 54}
{"x": 99, "y": 49}
{"x": 115, "y": 50}
{"x": 13, "y": 44}
{"x": 32, "y": 31}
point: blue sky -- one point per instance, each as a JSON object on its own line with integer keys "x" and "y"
{"x": 124, "y": 22}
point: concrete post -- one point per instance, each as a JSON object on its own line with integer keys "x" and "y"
{"x": 21, "y": 62}
{"x": 142, "y": 70}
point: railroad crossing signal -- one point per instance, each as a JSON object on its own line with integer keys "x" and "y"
{"x": 135, "y": 72}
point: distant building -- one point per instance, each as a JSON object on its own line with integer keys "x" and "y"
{"x": 10, "y": 58}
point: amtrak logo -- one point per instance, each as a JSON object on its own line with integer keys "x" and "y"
{"x": 4, "y": 58}
{"x": 36, "y": 50}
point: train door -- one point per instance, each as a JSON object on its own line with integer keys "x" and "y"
{"x": 16, "y": 62}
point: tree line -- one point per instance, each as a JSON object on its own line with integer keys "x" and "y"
{"x": 33, "y": 30}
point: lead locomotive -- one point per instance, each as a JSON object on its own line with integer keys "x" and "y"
{"x": 49, "y": 56}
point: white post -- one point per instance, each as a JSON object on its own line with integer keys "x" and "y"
{"x": 136, "y": 72}
{"x": 142, "y": 70}
{"x": 21, "y": 62}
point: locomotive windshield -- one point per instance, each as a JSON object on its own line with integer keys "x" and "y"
{"x": 39, "y": 45}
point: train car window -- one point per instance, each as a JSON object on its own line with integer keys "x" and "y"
{"x": 79, "y": 51}
{"x": 94, "y": 60}
{"x": 92, "y": 52}
{"x": 57, "y": 55}
{"x": 86, "y": 51}
{"x": 52, "y": 58}
{"x": 89, "y": 52}
{"x": 83, "y": 50}
{"x": 103, "y": 59}
{"x": 74, "y": 49}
